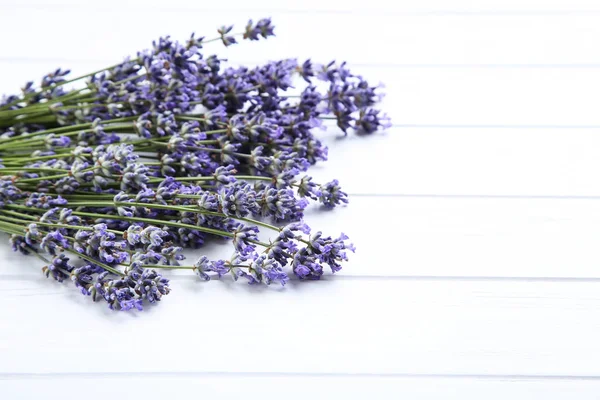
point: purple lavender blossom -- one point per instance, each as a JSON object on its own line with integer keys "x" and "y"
{"x": 98, "y": 288}
{"x": 44, "y": 201}
{"x": 32, "y": 235}
{"x": 130, "y": 304}
{"x": 54, "y": 78}
{"x": 330, "y": 251}
{"x": 252, "y": 276}
{"x": 53, "y": 141}
{"x": 66, "y": 185}
{"x": 281, "y": 249}
{"x": 101, "y": 244}
{"x": 143, "y": 125}
{"x": 66, "y": 217}
{"x": 227, "y": 40}
{"x": 263, "y": 28}
{"x": 288, "y": 230}
{"x": 297, "y": 211}
{"x": 147, "y": 256}
{"x": 305, "y": 266}
{"x": 133, "y": 234}
{"x": 59, "y": 268}
{"x": 278, "y": 203}
{"x": 258, "y": 161}
{"x": 148, "y": 284}
{"x": 344, "y": 120}
{"x": 285, "y": 178}
{"x": 225, "y": 174}
{"x": 135, "y": 177}
{"x": 52, "y": 241}
{"x": 238, "y": 199}
{"x": 128, "y": 292}
{"x": 284, "y": 162}
{"x": 366, "y": 95}
{"x": 166, "y": 168}
{"x": 370, "y": 121}
{"x": 119, "y": 295}
{"x": 242, "y": 238}
{"x": 152, "y": 235}
{"x": 331, "y": 194}
{"x": 18, "y": 244}
{"x": 307, "y": 188}
{"x": 196, "y": 163}
{"x": 204, "y": 265}
{"x": 311, "y": 149}
{"x": 172, "y": 255}
{"x": 228, "y": 150}
{"x": 80, "y": 171}
{"x": 327, "y": 72}
{"x": 269, "y": 270}
{"x": 83, "y": 277}
{"x": 216, "y": 116}
{"x": 306, "y": 70}
{"x": 209, "y": 201}
{"x": 8, "y": 192}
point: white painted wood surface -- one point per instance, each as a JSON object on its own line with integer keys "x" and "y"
{"x": 476, "y": 216}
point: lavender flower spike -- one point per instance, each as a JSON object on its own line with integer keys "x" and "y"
{"x": 331, "y": 194}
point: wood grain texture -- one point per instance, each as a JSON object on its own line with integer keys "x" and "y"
{"x": 466, "y": 160}
{"x": 440, "y": 237}
{"x": 375, "y": 7}
{"x": 489, "y": 97}
{"x": 374, "y": 326}
{"x": 386, "y": 38}
{"x": 299, "y": 387}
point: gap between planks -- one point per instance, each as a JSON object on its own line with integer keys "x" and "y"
{"x": 183, "y": 374}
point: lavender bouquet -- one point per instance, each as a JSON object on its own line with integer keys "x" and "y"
{"x": 108, "y": 181}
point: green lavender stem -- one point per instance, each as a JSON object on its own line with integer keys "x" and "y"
{"x": 136, "y": 60}
{"x": 174, "y": 208}
{"x": 95, "y": 262}
{"x": 145, "y": 220}
{"x": 157, "y": 266}
{"x": 66, "y": 129}
{"x": 52, "y": 224}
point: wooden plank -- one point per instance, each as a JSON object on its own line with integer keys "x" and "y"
{"x": 458, "y": 237}
{"x": 439, "y": 7}
{"x": 465, "y": 161}
{"x": 333, "y": 326}
{"x": 496, "y": 97}
{"x": 356, "y": 37}
{"x": 448, "y": 238}
{"x": 297, "y": 387}
{"x": 441, "y": 146}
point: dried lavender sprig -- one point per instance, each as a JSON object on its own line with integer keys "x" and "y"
{"x": 144, "y": 220}
{"x": 303, "y": 257}
{"x": 233, "y": 234}
{"x": 264, "y": 28}
{"x": 351, "y": 101}
{"x": 126, "y": 292}
{"x": 18, "y": 228}
{"x": 188, "y": 209}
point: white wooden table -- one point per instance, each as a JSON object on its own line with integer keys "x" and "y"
{"x": 476, "y": 217}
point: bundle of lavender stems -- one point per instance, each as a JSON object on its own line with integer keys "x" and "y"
{"x": 107, "y": 177}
